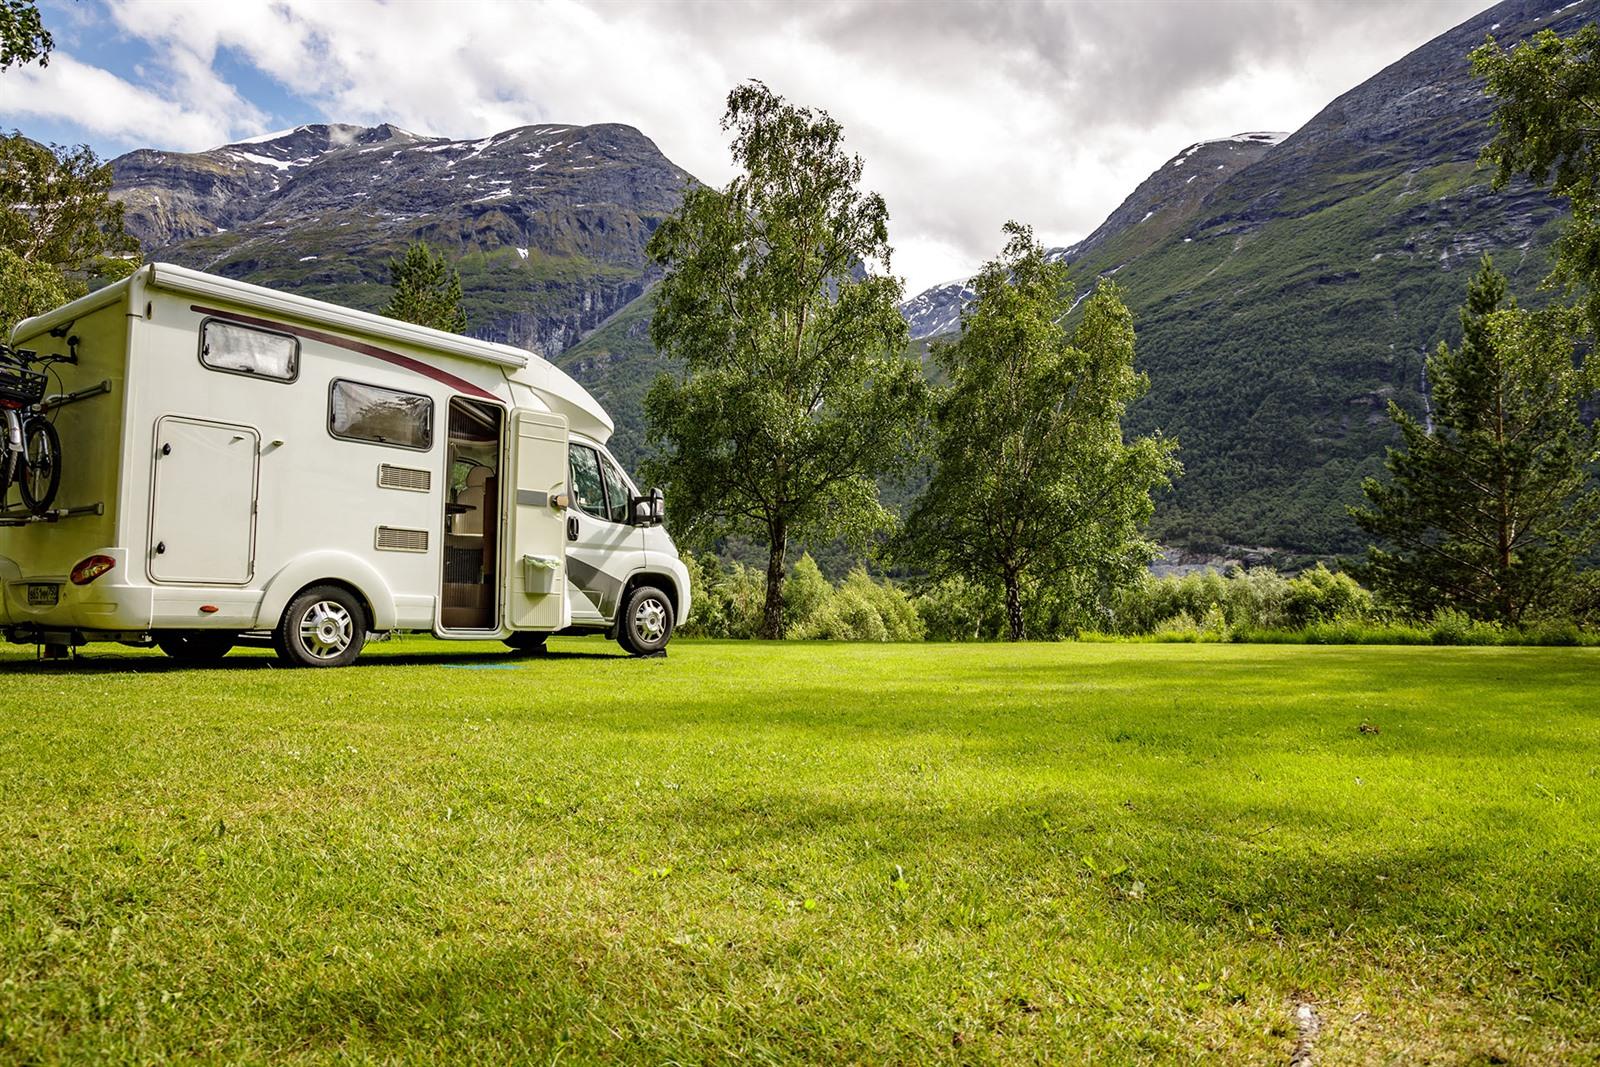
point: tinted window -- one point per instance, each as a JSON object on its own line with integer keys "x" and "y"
{"x": 243, "y": 350}
{"x": 587, "y": 492}
{"x": 616, "y": 492}
{"x": 383, "y": 416}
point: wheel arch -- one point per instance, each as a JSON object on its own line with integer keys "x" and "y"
{"x": 341, "y": 569}
{"x": 662, "y": 580}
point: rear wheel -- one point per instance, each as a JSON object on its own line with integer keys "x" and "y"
{"x": 200, "y": 646}
{"x": 325, "y": 626}
{"x": 39, "y": 475}
{"x": 528, "y": 640}
{"x": 646, "y": 620}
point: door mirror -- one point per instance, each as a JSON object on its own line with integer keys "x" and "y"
{"x": 648, "y": 510}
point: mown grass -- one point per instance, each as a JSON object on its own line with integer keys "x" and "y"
{"x": 804, "y": 853}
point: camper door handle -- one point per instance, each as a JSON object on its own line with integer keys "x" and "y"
{"x": 166, "y": 449}
{"x": 572, "y": 527}
{"x": 161, "y": 548}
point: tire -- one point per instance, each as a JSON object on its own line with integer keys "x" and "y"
{"x": 198, "y": 646}
{"x": 645, "y": 623}
{"x": 39, "y": 473}
{"x": 324, "y": 626}
{"x": 528, "y": 641}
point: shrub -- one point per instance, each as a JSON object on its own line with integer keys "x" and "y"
{"x": 727, "y": 598}
{"x": 805, "y": 592}
{"x": 862, "y": 609}
{"x": 957, "y": 610}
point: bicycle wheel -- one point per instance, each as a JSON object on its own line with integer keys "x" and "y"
{"x": 40, "y": 476}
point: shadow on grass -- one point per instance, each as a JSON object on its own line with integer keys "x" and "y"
{"x": 136, "y": 663}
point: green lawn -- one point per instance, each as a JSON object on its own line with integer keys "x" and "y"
{"x": 804, "y": 853}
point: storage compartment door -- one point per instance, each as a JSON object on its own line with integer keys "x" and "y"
{"x": 536, "y": 548}
{"x": 203, "y": 503}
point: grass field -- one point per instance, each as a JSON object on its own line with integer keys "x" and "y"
{"x": 805, "y": 853}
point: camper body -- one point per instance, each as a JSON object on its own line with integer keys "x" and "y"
{"x": 240, "y": 464}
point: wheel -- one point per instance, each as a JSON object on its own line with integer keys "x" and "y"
{"x": 40, "y": 475}
{"x": 645, "y": 622}
{"x": 325, "y": 626}
{"x": 196, "y": 646}
{"x": 528, "y": 640}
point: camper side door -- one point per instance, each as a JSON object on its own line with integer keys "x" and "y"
{"x": 536, "y": 558}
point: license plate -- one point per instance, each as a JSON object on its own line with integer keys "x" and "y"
{"x": 43, "y": 596}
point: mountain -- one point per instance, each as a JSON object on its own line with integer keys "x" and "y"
{"x": 547, "y": 223}
{"x": 1279, "y": 310}
{"x": 1172, "y": 192}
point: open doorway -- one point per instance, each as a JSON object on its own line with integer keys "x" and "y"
{"x": 471, "y": 516}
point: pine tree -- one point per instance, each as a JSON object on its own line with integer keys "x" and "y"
{"x": 1490, "y": 510}
{"x": 427, "y": 291}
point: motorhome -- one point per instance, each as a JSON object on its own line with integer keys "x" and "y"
{"x": 241, "y": 465}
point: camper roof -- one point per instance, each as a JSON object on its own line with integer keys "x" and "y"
{"x": 565, "y": 394}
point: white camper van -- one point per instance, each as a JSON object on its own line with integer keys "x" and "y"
{"x": 239, "y": 465}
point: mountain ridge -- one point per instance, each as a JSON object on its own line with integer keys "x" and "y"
{"x": 547, "y": 222}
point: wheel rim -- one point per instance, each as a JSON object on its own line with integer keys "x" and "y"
{"x": 650, "y": 620}
{"x": 326, "y": 629}
{"x": 38, "y": 460}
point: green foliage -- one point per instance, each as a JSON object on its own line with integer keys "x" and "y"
{"x": 794, "y": 393}
{"x": 955, "y": 609}
{"x": 1547, "y": 91}
{"x": 28, "y": 288}
{"x": 729, "y": 600}
{"x": 427, "y": 290}
{"x": 1035, "y": 488}
{"x": 805, "y": 591}
{"x": 1255, "y": 599}
{"x": 59, "y": 228}
{"x": 23, "y": 38}
{"x": 1489, "y": 509}
{"x": 862, "y": 609}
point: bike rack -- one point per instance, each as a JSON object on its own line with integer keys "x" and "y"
{"x": 63, "y": 399}
{"x": 15, "y": 517}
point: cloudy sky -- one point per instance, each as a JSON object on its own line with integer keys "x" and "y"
{"x": 967, "y": 113}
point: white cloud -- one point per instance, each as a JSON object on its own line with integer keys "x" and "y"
{"x": 967, "y": 114}
{"x": 110, "y": 107}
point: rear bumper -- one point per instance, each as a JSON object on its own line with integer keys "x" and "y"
{"x": 104, "y": 604}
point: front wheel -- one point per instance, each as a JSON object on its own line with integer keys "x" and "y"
{"x": 646, "y": 621}
{"x": 40, "y": 473}
{"x": 325, "y": 626}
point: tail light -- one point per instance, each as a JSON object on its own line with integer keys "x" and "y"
{"x": 91, "y": 568}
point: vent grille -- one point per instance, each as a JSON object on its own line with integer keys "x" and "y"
{"x": 392, "y": 477}
{"x": 399, "y": 539}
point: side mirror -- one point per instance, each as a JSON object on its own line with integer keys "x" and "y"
{"x": 649, "y": 510}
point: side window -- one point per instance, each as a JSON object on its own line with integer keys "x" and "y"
{"x": 587, "y": 491}
{"x": 616, "y": 492}
{"x": 358, "y": 412}
{"x": 227, "y": 346}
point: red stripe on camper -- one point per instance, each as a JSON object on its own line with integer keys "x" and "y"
{"x": 460, "y": 385}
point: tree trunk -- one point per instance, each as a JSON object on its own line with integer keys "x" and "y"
{"x": 1014, "y": 606}
{"x": 772, "y": 614}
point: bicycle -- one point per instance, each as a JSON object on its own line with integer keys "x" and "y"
{"x": 30, "y": 449}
